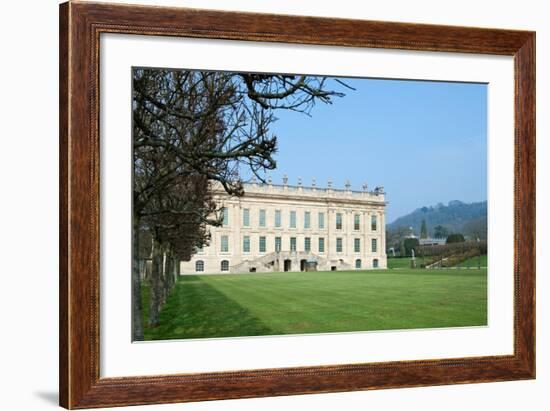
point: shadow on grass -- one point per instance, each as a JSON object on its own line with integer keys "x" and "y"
{"x": 195, "y": 309}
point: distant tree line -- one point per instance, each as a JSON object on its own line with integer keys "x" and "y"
{"x": 441, "y": 220}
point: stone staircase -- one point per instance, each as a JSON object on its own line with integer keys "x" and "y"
{"x": 275, "y": 262}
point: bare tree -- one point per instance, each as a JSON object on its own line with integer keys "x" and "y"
{"x": 192, "y": 128}
{"x": 177, "y": 220}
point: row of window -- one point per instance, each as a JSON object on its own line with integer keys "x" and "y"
{"x": 224, "y": 244}
{"x": 199, "y": 266}
{"x": 292, "y": 219}
{"x": 358, "y": 263}
{"x": 224, "y": 265}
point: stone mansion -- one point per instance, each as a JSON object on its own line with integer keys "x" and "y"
{"x": 295, "y": 228}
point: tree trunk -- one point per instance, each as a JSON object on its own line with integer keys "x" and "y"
{"x": 137, "y": 326}
{"x": 168, "y": 273}
{"x": 176, "y": 269}
{"x": 147, "y": 271}
{"x": 156, "y": 283}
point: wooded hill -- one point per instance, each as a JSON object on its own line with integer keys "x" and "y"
{"x": 469, "y": 219}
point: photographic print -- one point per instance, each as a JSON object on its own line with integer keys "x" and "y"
{"x": 278, "y": 204}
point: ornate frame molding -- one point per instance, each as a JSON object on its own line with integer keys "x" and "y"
{"x": 81, "y": 24}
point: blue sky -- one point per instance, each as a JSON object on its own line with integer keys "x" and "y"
{"x": 425, "y": 142}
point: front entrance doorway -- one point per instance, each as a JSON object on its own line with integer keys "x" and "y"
{"x": 287, "y": 265}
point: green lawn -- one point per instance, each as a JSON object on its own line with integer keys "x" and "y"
{"x": 296, "y": 303}
{"x": 398, "y": 262}
{"x": 473, "y": 262}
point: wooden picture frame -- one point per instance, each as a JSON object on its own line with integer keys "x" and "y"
{"x": 80, "y": 27}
